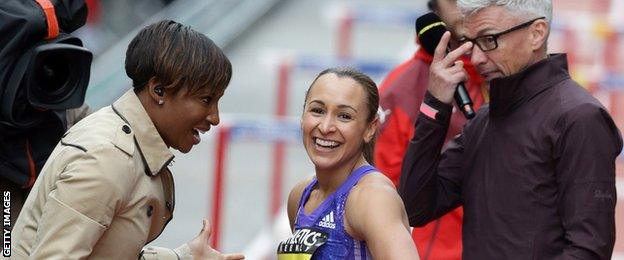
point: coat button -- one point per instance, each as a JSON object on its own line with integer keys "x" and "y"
{"x": 126, "y": 129}
{"x": 150, "y": 210}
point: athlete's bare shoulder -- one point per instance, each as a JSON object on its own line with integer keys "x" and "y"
{"x": 375, "y": 178}
{"x": 373, "y": 195}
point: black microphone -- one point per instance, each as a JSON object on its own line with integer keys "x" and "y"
{"x": 430, "y": 29}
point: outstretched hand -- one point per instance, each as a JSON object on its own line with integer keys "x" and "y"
{"x": 446, "y": 70}
{"x": 201, "y": 250}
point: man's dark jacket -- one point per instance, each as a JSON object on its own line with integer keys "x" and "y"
{"x": 535, "y": 171}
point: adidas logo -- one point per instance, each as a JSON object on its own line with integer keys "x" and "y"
{"x": 328, "y": 221}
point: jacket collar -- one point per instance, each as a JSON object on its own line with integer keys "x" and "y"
{"x": 154, "y": 152}
{"x": 507, "y": 93}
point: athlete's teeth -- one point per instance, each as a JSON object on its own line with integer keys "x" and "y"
{"x": 322, "y": 142}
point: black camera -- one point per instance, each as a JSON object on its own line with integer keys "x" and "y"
{"x": 39, "y": 75}
{"x": 52, "y": 75}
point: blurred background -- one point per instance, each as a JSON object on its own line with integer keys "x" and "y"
{"x": 240, "y": 175}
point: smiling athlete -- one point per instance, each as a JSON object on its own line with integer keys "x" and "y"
{"x": 348, "y": 210}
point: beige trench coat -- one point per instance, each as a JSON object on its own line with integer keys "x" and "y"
{"x": 104, "y": 192}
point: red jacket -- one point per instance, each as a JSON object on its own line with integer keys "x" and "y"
{"x": 401, "y": 94}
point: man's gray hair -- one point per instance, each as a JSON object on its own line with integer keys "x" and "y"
{"x": 517, "y": 7}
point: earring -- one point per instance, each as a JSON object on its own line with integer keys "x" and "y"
{"x": 160, "y": 102}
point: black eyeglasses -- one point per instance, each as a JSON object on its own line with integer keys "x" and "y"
{"x": 490, "y": 42}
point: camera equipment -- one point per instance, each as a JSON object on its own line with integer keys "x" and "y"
{"x": 38, "y": 72}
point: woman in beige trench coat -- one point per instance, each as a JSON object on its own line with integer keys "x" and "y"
{"x": 106, "y": 191}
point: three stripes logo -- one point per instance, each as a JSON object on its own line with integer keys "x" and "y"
{"x": 328, "y": 221}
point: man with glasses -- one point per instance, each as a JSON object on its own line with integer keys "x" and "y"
{"x": 534, "y": 170}
{"x": 401, "y": 94}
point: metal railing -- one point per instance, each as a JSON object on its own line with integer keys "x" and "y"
{"x": 221, "y": 20}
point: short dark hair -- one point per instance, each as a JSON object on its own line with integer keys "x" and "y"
{"x": 177, "y": 56}
{"x": 372, "y": 100}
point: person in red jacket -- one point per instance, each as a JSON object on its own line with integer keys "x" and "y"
{"x": 402, "y": 93}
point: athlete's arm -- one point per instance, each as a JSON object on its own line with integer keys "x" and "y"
{"x": 375, "y": 213}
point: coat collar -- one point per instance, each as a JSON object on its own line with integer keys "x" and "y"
{"x": 155, "y": 153}
{"x": 507, "y": 93}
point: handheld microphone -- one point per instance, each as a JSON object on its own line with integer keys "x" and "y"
{"x": 429, "y": 29}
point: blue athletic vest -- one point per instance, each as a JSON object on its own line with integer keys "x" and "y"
{"x": 321, "y": 235}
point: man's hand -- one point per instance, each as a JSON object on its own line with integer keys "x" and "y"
{"x": 201, "y": 250}
{"x": 446, "y": 71}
